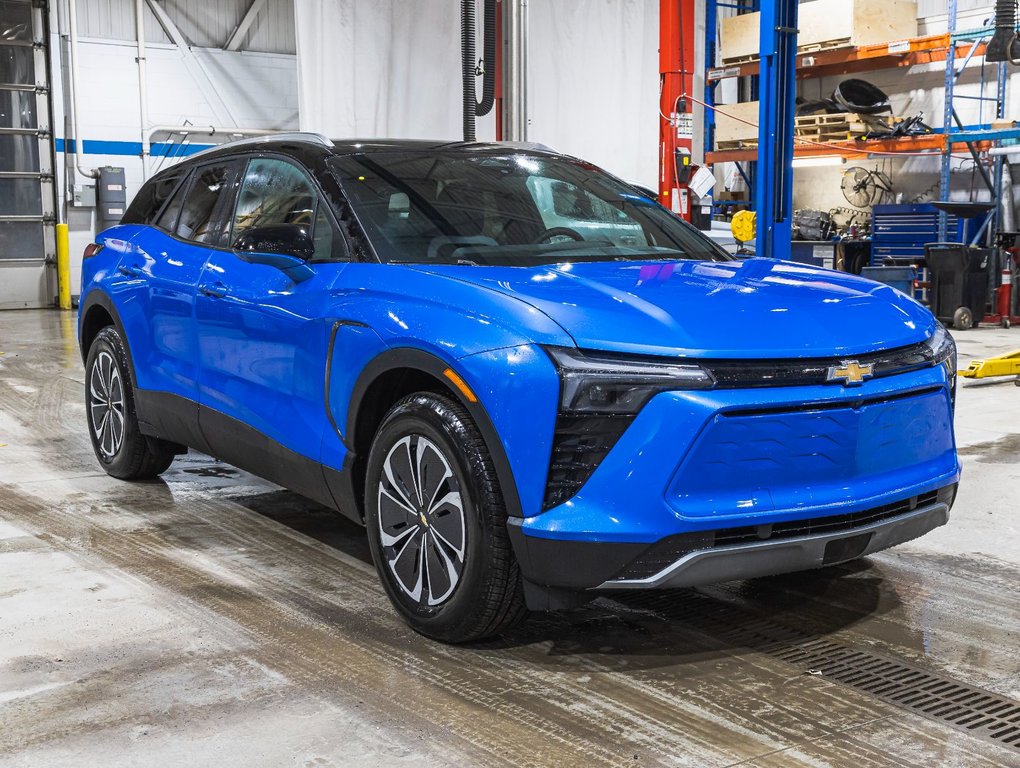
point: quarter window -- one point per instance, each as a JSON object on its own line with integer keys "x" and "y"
{"x": 151, "y": 197}
{"x": 168, "y": 218}
{"x": 200, "y": 219}
{"x": 278, "y": 192}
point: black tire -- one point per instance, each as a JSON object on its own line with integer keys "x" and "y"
{"x": 485, "y": 597}
{"x": 122, "y": 450}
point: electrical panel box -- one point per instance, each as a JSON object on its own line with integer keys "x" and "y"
{"x": 112, "y": 195}
{"x": 84, "y": 196}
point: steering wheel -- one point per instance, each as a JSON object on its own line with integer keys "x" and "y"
{"x": 573, "y": 234}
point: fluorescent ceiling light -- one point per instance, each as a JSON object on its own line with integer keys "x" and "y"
{"x": 816, "y": 162}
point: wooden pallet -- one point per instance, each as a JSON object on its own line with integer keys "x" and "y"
{"x": 737, "y": 144}
{"x": 825, "y": 129}
{"x": 828, "y": 45}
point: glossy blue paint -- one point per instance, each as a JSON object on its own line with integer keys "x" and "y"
{"x": 262, "y": 343}
{"x": 759, "y": 308}
{"x": 153, "y": 287}
{"x": 287, "y": 358}
{"x": 657, "y": 482}
{"x": 519, "y": 388}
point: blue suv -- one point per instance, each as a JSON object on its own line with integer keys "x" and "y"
{"x": 532, "y": 383}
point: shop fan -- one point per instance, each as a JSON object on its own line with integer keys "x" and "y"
{"x": 863, "y": 188}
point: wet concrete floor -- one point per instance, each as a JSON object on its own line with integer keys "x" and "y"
{"x": 211, "y": 617}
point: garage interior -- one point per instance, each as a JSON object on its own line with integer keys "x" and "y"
{"x": 210, "y": 616}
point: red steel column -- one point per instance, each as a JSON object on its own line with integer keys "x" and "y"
{"x": 676, "y": 120}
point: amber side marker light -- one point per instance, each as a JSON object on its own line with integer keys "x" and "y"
{"x": 458, "y": 382}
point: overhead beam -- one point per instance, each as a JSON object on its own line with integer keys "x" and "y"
{"x": 244, "y": 26}
{"x": 195, "y": 65}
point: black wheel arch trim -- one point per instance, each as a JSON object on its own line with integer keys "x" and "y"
{"x": 418, "y": 359}
{"x": 98, "y": 298}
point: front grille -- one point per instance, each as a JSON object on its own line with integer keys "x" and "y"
{"x": 580, "y": 443}
{"x": 733, "y": 374}
{"x": 667, "y": 551}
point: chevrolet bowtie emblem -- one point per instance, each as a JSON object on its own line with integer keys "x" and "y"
{"x": 850, "y": 372}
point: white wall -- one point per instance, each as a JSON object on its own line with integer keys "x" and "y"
{"x": 593, "y": 88}
{"x": 392, "y": 68}
{"x": 258, "y": 89}
{"x": 385, "y": 69}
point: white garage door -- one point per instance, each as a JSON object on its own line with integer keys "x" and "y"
{"x": 26, "y": 160}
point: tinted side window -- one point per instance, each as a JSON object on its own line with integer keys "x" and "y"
{"x": 278, "y": 192}
{"x": 168, "y": 218}
{"x": 201, "y": 219}
{"x": 150, "y": 198}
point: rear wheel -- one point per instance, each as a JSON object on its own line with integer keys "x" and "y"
{"x": 122, "y": 450}
{"x": 437, "y": 523}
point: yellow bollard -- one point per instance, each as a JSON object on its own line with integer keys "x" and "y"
{"x": 63, "y": 267}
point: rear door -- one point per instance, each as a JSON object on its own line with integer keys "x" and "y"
{"x": 169, "y": 257}
{"x": 262, "y": 337}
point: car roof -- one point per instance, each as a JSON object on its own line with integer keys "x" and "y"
{"x": 302, "y": 142}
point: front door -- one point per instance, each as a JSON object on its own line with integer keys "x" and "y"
{"x": 262, "y": 338}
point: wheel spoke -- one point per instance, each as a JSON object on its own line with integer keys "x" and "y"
{"x": 392, "y": 475}
{"x": 102, "y": 424}
{"x": 421, "y": 521}
{"x": 412, "y": 465}
{"x": 448, "y": 521}
{"x": 108, "y": 433}
{"x": 442, "y": 572}
{"x": 392, "y": 541}
{"x": 407, "y": 564}
{"x": 429, "y": 469}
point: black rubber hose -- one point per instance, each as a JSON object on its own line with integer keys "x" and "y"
{"x": 484, "y": 107}
{"x": 467, "y": 61}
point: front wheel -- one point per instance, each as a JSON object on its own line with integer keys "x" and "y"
{"x": 123, "y": 451}
{"x": 437, "y": 523}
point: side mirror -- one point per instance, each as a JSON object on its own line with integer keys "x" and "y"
{"x": 287, "y": 247}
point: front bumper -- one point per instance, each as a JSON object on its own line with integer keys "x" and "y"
{"x": 710, "y": 557}
{"x": 744, "y": 483}
{"x": 768, "y": 558}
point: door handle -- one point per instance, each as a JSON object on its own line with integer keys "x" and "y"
{"x": 130, "y": 271}
{"x": 215, "y": 291}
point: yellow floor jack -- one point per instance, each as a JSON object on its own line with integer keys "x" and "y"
{"x": 1000, "y": 365}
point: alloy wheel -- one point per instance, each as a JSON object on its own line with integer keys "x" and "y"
{"x": 106, "y": 405}
{"x": 421, "y": 521}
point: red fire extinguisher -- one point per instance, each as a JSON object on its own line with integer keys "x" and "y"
{"x": 1004, "y": 296}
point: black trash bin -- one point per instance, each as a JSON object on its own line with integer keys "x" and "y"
{"x": 959, "y": 282}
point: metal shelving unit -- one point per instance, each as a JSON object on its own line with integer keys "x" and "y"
{"x": 953, "y": 47}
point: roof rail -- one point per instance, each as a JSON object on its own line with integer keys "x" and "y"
{"x": 299, "y": 136}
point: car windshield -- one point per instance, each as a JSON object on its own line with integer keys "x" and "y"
{"x": 509, "y": 209}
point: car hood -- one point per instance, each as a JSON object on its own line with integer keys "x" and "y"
{"x": 758, "y": 308}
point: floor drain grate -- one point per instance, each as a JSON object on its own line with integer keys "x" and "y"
{"x": 963, "y": 706}
{"x": 983, "y": 714}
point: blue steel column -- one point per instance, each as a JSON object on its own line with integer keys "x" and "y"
{"x": 776, "y": 96}
{"x": 947, "y": 119}
{"x": 711, "y": 25}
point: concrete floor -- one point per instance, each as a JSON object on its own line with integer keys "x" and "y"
{"x": 210, "y": 617}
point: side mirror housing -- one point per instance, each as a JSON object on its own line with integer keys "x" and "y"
{"x": 287, "y": 247}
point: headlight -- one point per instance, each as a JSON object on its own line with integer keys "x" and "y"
{"x": 942, "y": 349}
{"x": 607, "y": 384}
